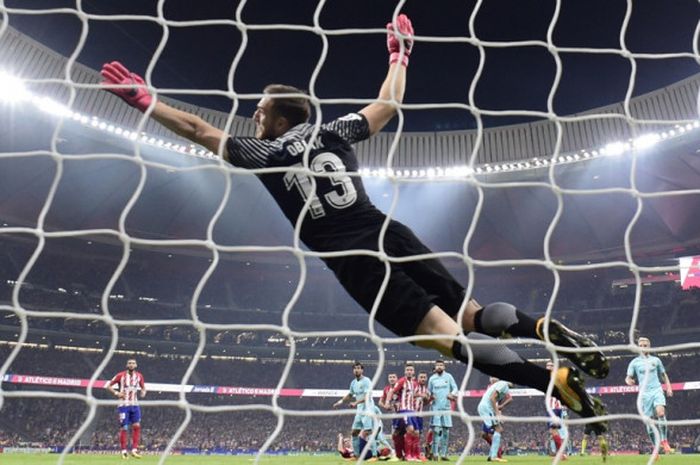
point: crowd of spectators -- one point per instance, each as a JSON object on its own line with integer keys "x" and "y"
{"x": 72, "y": 274}
{"x": 218, "y": 370}
{"x": 53, "y": 422}
{"x": 666, "y": 314}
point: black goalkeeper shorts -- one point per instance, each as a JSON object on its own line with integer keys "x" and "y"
{"x": 414, "y": 287}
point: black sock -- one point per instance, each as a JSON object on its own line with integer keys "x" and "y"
{"x": 501, "y": 319}
{"x": 503, "y": 363}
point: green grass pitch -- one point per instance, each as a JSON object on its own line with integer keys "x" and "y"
{"x": 88, "y": 459}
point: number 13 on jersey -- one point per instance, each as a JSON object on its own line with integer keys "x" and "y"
{"x": 342, "y": 197}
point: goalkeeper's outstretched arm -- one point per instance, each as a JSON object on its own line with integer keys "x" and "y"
{"x": 184, "y": 124}
{"x": 190, "y": 126}
{"x": 131, "y": 88}
{"x": 379, "y": 113}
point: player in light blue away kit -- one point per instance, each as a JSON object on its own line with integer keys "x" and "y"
{"x": 443, "y": 390}
{"x": 646, "y": 371}
{"x": 495, "y": 398}
{"x": 359, "y": 396}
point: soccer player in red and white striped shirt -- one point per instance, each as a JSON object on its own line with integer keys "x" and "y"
{"x": 390, "y": 401}
{"x": 129, "y": 383}
{"x": 421, "y": 399}
{"x": 406, "y": 388}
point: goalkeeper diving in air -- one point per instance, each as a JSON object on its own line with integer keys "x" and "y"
{"x": 421, "y": 296}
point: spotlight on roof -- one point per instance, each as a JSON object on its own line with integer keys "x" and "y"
{"x": 12, "y": 88}
{"x": 646, "y": 140}
{"x": 615, "y": 148}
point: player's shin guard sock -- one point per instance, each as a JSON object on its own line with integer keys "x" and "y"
{"x": 135, "y": 436}
{"x": 122, "y": 438}
{"x": 437, "y": 440}
{"x": 650, "y": 433}
{"x": 502, "y": 362}
{"x": 412, "y": 449}
{"x": 584, "y": 443}
{"x": 408, "y": 445}
{"x": 398, "y": 444}
{"x": 445, "y": 441}
{"x": 501, "y": 319}
{"x": 362, "y": 443}
{"x": 495, "y": 444}
{"x": 663, "y": 428}
{"x": 374, "y": 448}
{"x": 356, "y": 445}
{"x": 557, "y": 442}
{"x": 416, "y": 446}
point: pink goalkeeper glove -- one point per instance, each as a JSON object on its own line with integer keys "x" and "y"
{"x": 116, "y": 73}
{"x": 393, "y": 42}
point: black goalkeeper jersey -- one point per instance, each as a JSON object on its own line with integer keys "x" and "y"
{"x": 339, "y": 205}
{"x": 341, "y": 217}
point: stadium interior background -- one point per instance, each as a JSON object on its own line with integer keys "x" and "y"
{"x": 253, "y": 288}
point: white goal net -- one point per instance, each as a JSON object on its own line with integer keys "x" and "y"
{"x": 125, "y": 241}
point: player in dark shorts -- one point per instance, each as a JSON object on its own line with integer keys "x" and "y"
{"x": 317, "y": 165}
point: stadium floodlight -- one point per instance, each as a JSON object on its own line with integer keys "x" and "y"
{"x": 614, "y": 148}
{"x": 52, "y": 107}
{"x": 463, "y": 170}
{"x": 646, "y": 140}
{"x": 12, "y": 89}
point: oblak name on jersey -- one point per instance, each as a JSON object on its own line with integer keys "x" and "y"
{"x": 299, "y": 147}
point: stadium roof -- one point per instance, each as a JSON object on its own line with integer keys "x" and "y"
{"x": 513, "y": 222}
{"x": 519, "y": 66}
